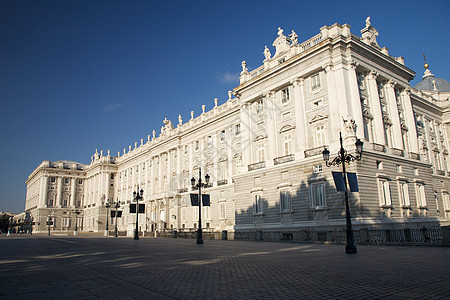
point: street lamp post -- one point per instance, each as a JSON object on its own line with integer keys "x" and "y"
{"x": 199, "y": 185}
{"x": 77, "y": 212}
{"x": 342, "y": 158}
{"x": 107, "y": 205}
{"x": 137, "y": 196}
{"x": 49, "y": 222}
{"x": 116, "y": 205}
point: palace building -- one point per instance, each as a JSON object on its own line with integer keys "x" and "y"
{"x": 263, "y": 148}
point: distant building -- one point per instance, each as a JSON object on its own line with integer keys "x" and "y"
{"x": 263, "y": 150}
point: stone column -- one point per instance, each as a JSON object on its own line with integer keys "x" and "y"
{"x": 160, "y": 173}
{"x": 410, "y": 121}
{"x": 272, "y": 143}
{"x": 44, "y": 194}
{"x": 73, "y": 191}
{"x": 375, "y": 107}
{"x": 59, "y": 192}
{"x": 107, "y": 185}
{"x": 300, "y": 117}
{"x": 393, "y": 114}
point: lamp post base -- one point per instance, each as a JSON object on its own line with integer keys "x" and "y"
{"x": 351, "y": 249}
{"x": 136, "y": 235}
{"x": 75, "y": 233}
{"x": 199, "y": 241}
{"x": 106, "y": 233}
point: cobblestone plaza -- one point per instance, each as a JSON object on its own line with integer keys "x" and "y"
{"x": 83, "y": 267}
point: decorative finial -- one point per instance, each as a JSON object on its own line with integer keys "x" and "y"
{"x": 148, "y": 138}
{"x": 230, "y": 93}
{"x": 425, "y": 60}
{"x": 142, "y": 142}
{"x": 180, "y": 120}
{"x": 154, "y": 133}
{"x": 216, "y": 101}
{"x": 109, "y": 153}
{"x": 192, "y": 114}
{"x": 203, "y": 108}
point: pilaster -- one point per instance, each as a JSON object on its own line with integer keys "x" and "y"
{"x": 300, "y": 117}
{"x": 355, "y": 101}
{"x": 73, "y": 192}
{"x": 393, "y": 114}
{"x": 59, "y": 192}
{"x": 410, "y": 121}
{"x": 272, "y": 142}
{"x": 333, "y": 103}
{"x": 375, "y": 107}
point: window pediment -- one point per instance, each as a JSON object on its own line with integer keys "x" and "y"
{"x": 286, "y": 128}
{"x": 318, "y": 118}
{"x": 260, "y": 137}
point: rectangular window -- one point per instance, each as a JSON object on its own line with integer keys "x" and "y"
{"x": 420, "y": 195}
{"x": 315, "y": 82}
{"x": 66, "y": 180}
{"x": 80, "y": 181}
{"x": 384, "y": 192}
{"x": 206, "y": 212}
{"x": 112, "y": 176}
{"x": 317, "y": 195}
{"x": 222, "y": 135}
{"x": 143, "y": 166}
{"x": 261, "y": 152}
{"x": 320, "y": 135}
{"x": 285, "y": 201}
{"x": 197, "y": 145}
{"x": 209, "y": 140}
{"x": 285, "y": 96}
{"x": 258, "y": 205}
{"x": 237, "y": 129}
{"x": 186, "y": 149}
{"x": 287, "y": 144}
{"x": 317, "y": 169}
{"x": 52, "y": 179}
{"x": 446, "y": 200}
{"x": 66, "y": 222}
{"x": 404, "y": 194}
{"x": 259, "y": 106}
{"x": 222, "y": 213}
{"x": 65, "y": 202}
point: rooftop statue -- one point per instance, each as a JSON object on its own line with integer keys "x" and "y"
{"x": 280, "y": 31}
{"x": 368, "y": 22}
{"x": 294, "y": 38}
{"x": 267, "y": 53}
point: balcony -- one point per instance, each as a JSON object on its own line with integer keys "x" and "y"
{"x": 314, "y": 151}
{"x": 256, "y": 166}
{"x": 283, "y": 159}
{"x": 222, "y": 182}
{"x": 182, "y": 190}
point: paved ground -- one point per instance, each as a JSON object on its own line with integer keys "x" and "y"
{"x": 40, "y": 267}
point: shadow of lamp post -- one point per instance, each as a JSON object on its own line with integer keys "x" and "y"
{"x": 342, "y": 158}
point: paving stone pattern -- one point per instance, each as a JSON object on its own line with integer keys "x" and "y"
{"x": 39, "y": 267}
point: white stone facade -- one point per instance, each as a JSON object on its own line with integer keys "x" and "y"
{"x": 263, "y": 149}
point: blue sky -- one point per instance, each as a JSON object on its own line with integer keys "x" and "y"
{"x": 81, "y": 75}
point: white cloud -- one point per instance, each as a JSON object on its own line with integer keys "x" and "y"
{"x": 112, "y": 106}
{"x": 228, "y": 77}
